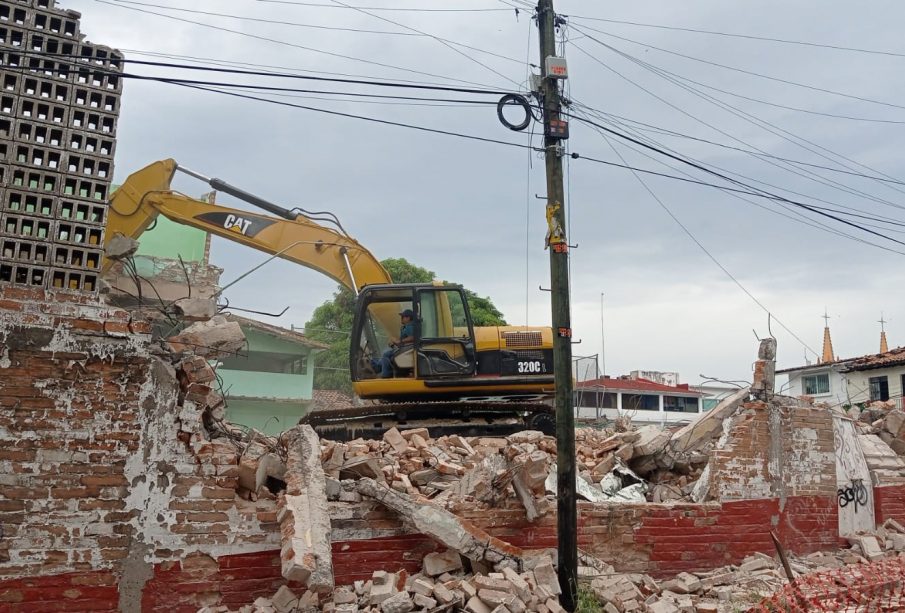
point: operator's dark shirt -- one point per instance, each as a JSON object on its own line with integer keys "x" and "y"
{"x": 405, "y": 331}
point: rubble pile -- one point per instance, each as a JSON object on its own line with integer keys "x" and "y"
{"x": 885, "y": 421}
{"x": 445, "y": 584}
{"x": 647, "y": 464}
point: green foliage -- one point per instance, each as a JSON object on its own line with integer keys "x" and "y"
{"x": 331, "y": 323}
{"x": 587, "y": 600}
{"x": 483, "y": 311}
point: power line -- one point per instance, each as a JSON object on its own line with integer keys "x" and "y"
{"x": 751, "y": 190}
{"x": 295, "y": 70}
{"x": 743, "y": 36}
{"x": 442, "y": 41}
{"x": 383, "y": 8}
{"x": 280, "y": 22}
{"x": 799, "y": 217}
{"x": 857, "y": 213}
{"x": 347, "y": 115}
{"x": 668, "y": 132}
{"x": 778, "y": 105}
{"x": 740, "y": 70}
{"x": 267, "y": 88}
{"x": 756, "y": 192}
{"x": 312, "y": 26}
{"x": 257, "y": 73}
{"x": 707, "y": 252}
{"x": 286, "y": 43}
{"x": 755, "y": 121}
{"x": 773, "y": 129}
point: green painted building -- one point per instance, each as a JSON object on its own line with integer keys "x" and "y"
{"x": 269, "y": 385}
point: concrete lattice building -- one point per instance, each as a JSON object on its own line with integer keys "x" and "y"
{"x": 59, "y": 107}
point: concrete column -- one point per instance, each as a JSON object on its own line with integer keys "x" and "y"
{"x": 619, "y": 402}
{"x": 662, "y": 411}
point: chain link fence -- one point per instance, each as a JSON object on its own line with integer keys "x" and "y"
{"x": 870, "y": 588}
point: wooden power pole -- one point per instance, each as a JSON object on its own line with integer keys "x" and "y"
{"x": 555, "y": 131}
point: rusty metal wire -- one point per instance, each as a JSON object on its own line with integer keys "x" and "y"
{"x": 875, "y": 587}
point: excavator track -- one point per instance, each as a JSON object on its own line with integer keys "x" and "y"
{"x": 440, "y": 419}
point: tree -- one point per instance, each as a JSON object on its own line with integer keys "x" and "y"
{"x": 331, "y": 323}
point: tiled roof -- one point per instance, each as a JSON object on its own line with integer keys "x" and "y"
{"x": 324, "y": 400}
{"x": 636, "y": 385}
{"x": 838, "y": 364}
{"x": 893, "y": 357}
{"x": 289, "y": 335}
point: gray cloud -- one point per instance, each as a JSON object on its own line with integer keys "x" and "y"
{"x": 460, "y": 207}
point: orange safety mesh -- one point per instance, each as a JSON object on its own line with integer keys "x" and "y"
{"x": 870, "y": 588}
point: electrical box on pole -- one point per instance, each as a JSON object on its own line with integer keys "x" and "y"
{"x": 555, "y": 130}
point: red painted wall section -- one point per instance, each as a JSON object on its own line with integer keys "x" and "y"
{"x": 238, "y": 580}
{"x": 661, "y": 540}
{"x": 889, "y": 503}
{"x": 90, "y": 591}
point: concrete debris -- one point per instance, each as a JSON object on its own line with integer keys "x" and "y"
{"x": 214, "y": 338}
{"x": 195, "y": 309}
{"x": 303, "y": 515}
{"x": 120, "y": 247}
{"x": 438, "y": 523}
{"x": 444, "y": 585}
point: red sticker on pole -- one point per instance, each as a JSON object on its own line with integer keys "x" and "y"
{"x": 564, "y": 332}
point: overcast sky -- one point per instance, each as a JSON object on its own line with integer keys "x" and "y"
{"x": 467, "y": 210}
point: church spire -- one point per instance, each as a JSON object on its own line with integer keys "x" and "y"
{"x": 827, "y": 341}
{"x": 884, "y": 347}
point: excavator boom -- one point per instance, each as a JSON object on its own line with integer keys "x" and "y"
{"x": 147, "y": 194}
{"x": 452, "y": 377}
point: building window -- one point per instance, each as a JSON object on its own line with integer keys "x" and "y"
{"x": 879, "y": 388}
{"x": 640, "y": 402}
{"x": 680, "y": 404}
{"x": 816, "y": 384}
{"x": 593, "y": 400}
{"x": 262, "y": 361}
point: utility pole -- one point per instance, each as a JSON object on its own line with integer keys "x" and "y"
{"x": 555, "y": 130}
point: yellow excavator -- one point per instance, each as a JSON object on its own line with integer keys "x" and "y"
{"x": 453, "y": 378}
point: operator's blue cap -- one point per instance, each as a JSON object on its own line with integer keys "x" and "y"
{"x": 408, "y": 313}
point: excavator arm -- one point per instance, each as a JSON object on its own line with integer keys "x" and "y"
{"x": 290, "y": 235}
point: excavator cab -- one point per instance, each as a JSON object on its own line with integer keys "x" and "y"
{"x": 444, "y": 344}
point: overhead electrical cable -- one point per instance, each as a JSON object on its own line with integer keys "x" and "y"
{"x": 442, "y": 41}
{"x": 667, "y": 132}
{"x": 312, "y": 26}
{"x": 777, "y": 131}
{"x": 266, "y": 88}
{"x": 292, "y": 70}
{"x": 285, "y": 75}
{"x": 743, "y": 36}
{"x": 384, "y": 8}
{"x": 858, "y": 213}
{"x": 287, "y": 43}
{"x": 347, "y": 115}
{"x": 750, "y": 189}
{"x": 793, "y": 213}
{"x": 748, "y": 117}
{"x": 741, "y": 70}
{"x": 707, "y": 252}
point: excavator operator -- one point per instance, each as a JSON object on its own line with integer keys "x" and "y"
{"x": 384, "y": 365}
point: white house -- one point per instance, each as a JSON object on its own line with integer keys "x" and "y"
{"x": 879, "y": 376}
{"x": 645, "y": 401}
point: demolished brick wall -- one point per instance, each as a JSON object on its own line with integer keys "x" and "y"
{"x": 113, "y": 498}
{"x": 97, "y": 475}
{"x": 775, "y": 451}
